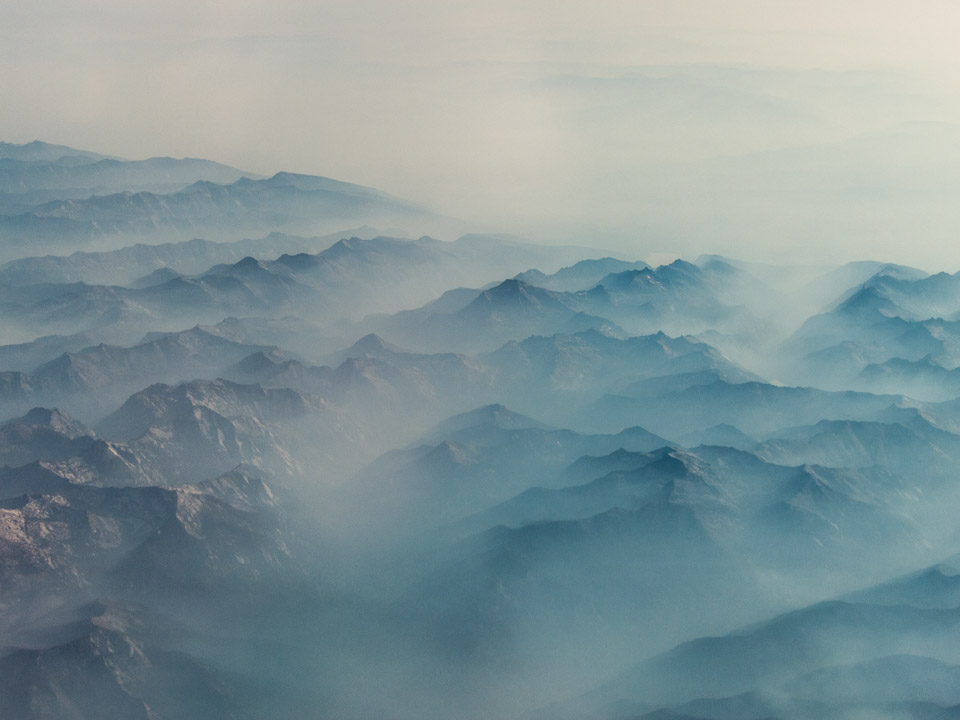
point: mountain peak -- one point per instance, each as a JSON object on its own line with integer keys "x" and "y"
{"x": 38, "y": 150}
{"x": 495, "y": 415}
{"x": 259, "y": 362}
{"x": 54, "y": 419}
{"x": 510, "y": 286}
{"x": 680, "y": 264}
{"x": 372, "y": 344}
{"x": 512, "y": 293}
{"x": 500, "y": 416}
{"x": 343, "y": 246}
{"x": 446, "y": 455}
{"x": 300, "y": 261}
{"x": 248, "y": 262}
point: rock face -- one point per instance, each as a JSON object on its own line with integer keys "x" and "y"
{"x": 107, "y": 665}
{"x": 80, "y": 536}
{"x": 86, "y": 570}
{"x": 43, "y": 434}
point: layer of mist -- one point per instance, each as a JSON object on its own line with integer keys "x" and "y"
{"x": 262, "y": 456}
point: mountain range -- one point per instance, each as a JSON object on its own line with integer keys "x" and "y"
{"x": 263, "y": 456}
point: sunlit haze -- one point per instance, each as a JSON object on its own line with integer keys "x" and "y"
{"x": 624, "y": 125}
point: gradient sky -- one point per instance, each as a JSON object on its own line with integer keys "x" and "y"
{"x": 526, "y": 115}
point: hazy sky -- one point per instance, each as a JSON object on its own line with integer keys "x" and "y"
{"x": 541, "y": 117}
